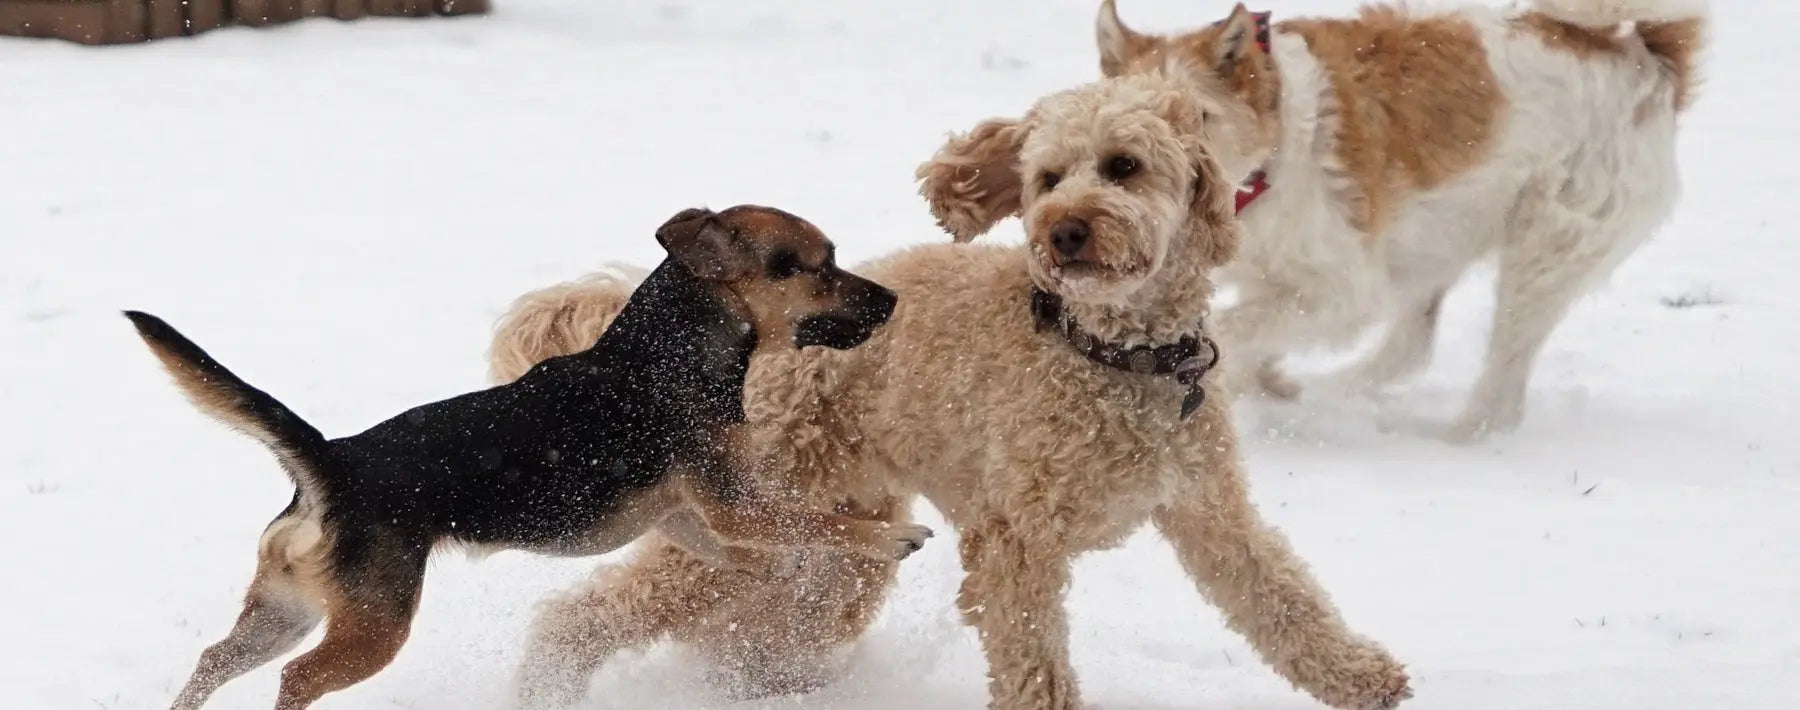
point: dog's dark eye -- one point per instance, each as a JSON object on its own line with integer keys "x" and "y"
{"x": 1208, "y": 116}
{"x": 784, "y": 264}
{"x": 1121, "y": 167}
{"x": 1050, "y": 180}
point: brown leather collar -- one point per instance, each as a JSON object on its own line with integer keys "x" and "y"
{"x": 1188, "y": 359}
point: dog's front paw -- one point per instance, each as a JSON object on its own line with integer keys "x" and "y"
{"x": 1275, "y": 383}
{"x": 1393, "y": 688}
{"x": 1366, "y": 678}
{"x": 899, "y": 540}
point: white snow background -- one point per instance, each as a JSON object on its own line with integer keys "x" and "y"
{"x": 340, "y": 211}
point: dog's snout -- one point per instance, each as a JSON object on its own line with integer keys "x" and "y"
{"x": 1068, "y": 236}
{"x": 873, "y": 303}
{"x": 864, "y": 307}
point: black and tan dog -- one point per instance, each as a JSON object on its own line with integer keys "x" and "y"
{"x": 578, "y": 457}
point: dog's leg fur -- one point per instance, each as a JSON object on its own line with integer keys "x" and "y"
{"x": 1274, "y": 381}
{"x": 280, "y": 609}
{"x": 1273, "y": 318}
{"x": 1013, "y": 594}
{"x": 1257, "y": 330}
{"x": 764, "y": 524}
{"x": 360, "y": 640}
{"x": 1550, "y": 256}
{"x": 273, "y": 622}
{"x": 1404, "y": 350}
{"x": 1266, "y": 593}
{"x": 368, "y": 619}
{"x": 620, "y": 606}
{"x": 788, "y": 629}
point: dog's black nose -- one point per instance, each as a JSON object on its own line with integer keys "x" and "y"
{"x": 874, "y": 304}
{"x": 1068, "y": 236}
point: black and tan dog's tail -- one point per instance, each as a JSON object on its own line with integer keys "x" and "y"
{"x": 228, "y": 398}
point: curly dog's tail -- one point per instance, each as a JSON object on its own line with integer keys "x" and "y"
{"x": 558, "y": 320}
{"x": 1673, "y": 31}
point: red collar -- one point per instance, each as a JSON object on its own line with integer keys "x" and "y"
{"x": 1262, "y": 28}
{"x": 1259, "y": 184}
{"x": 1259, "y": 181}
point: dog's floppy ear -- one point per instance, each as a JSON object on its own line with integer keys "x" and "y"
{"x": 973, "y": 181}
{"x": 707, "y": 248}
{"x": 1212, "y": 216}
{"x": 1118, "y": 44}
{"x": 1237, "y": 39}
{"x": 1212, "y": 210}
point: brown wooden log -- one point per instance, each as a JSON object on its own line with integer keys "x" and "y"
{"x": 400, "y": 8}
{"x": 204, "y": 15}
{"x": 125, "y": 21}
{"x": 462, "y": 7}
{"x": 96, "y": 22}
{"x": 89, "y": 22}
{"x": 259, "y": 13}
{"x": 167, "y": 18}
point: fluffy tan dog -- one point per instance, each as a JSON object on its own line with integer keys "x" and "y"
{"x": 1016, "y": 388}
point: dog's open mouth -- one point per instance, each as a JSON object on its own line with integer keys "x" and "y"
{"x": 1082, "y": 270}
{"x": 1074, "y": 271}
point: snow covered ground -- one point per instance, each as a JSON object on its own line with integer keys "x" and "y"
{"x": 340, "y": 211}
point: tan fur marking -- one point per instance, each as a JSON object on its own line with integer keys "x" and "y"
{"x": 212, "y": 397}
{"x": 1251, "y": 76}
{"x": 1677, "y": 44}
{"x": 1393, "y": 140}
{"x": 358, "y": 643}
{"x": 1572, "y": 38}
{"x": 773, "y": 306}
{"x": 285, "y": 601}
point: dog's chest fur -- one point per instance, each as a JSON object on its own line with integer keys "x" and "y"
{"x": 964, "y": 401}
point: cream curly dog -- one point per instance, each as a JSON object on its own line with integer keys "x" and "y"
{"x": 979, "y": 396}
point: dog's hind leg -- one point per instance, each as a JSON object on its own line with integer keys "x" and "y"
{"x": 1550, "y": 257}
{"x": 274, "y": 620}
{"x": 279, "y": 609}
{"x": 368, "y": 617}
{"x": 621, "y": 606}
{"x": 1265, "y": 592}
{"x": 1273, "y": 319}
{"x": 1404, "y": 349}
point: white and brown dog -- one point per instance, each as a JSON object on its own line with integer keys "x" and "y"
{"x": 1387, "y": 152}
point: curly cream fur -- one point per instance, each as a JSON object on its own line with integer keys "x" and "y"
{"x": 1032, "y": 452}
{"x": 559, "y": 320}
